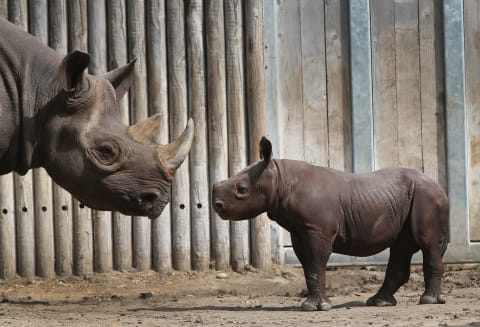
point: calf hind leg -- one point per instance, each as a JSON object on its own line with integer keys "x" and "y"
{"x": 398, "y": 271}
{"x": 433, "y": 271}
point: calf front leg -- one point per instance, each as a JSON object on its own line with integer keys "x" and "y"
{"x": 313, "y": 250}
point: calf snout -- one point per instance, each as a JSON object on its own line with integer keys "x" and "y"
{"x": 218, "y": 205}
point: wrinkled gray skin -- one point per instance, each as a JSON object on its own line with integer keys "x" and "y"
{"x": 327, "y": 211}
{"x": 54, "y": 115}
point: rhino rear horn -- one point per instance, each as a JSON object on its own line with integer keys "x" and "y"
{"x": 121, "y": 78}
{"x": 146, "y": 131}
{"x": 71, "y": 72}
{"x": 173, "y": 154}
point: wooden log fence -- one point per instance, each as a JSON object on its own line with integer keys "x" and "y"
{"x": 355, "y": 85}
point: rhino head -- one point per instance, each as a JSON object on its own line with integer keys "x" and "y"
{"x": 250, "y": 192}
{"x": 85, "y": 147}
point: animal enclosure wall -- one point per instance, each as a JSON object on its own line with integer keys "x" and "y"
{"x": 191, "y": 62}
{"x": 361, "y": 85}
{"x": 356, "y": 85}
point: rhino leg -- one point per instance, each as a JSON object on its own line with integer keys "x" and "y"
{"x": 398, "y": 269}
{"x": 313, "y": 254}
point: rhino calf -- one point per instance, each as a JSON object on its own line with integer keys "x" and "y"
{"x": 56, "y": 116}
{"x": 327, "y": 211}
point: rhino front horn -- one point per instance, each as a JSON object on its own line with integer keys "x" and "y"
{"x": 173, "y": 154}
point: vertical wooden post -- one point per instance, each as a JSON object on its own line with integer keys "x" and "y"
{"x": 384, "y": 91}
{"x": 237, "y": 147}
{"x": 62, "y": 201}
{"x": 338, "y": 85}
{"x": 432, "y": 87}
{"x": 7, "y": 228}
{"x": 42, "y": 184}
{"x": 139, "y": 112}
{"x": 7, "y": 209}
{"x": 407, "y": 49}
{"x": 97, "y": 47}
{"x": 4, "y": 9}
{"x": 177, "y": 98}
{"x": 24, "y": 208}
{"x": 257, "y": 120}
{"x": 199, "y": 190}
{"x": 82, "y": 219}
{"x": 217, "y": 119}
{"x": 158, "y": 103}
{"x": 117, "y": 56}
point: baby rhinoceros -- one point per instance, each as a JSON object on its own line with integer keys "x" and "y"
{"x": 326, "y": 210}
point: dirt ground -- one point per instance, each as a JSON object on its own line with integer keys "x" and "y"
{"x": 227, "y": 298}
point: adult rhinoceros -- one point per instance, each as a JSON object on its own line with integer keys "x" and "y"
{"x": 55, "y": 115}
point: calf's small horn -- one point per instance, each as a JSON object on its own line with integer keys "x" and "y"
{"x": 173, "y": 154}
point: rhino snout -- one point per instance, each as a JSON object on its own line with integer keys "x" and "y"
{"x": 148, "y": 197}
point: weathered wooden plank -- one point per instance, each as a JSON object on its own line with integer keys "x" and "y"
{"x": 199, "y": 190}
{"x": 62, "y": 201}
{"x": 273, "y": 122}
{"x": 257, "y": 120}
{"x": 237, "y": 145}
{"x": 24, "y": 208}
{"x": 472, "y": 107}
{"x": 177, "y": 99}
{"x": 314, "y": 85}
{"x": 158, "y": 103}
{"x": 432, "y": 88}
{"x": 82, "y": 218}
{"x": 409, "y": 113}
{"x": 97, "y": 47}
{"x": 117, "y": 56}
{"x": 42, "y": 184}
{"x": 338, "y": 85}
{"x": 4, "y": 9}
{"x": 455, "y": 121}
{"x": 139, "y": 112}
{"x": 384, "y": 90}
{"x": 18, "y": 13}
{"x": 8, "y": 266}
{"x": 289, "y": 80}
{"x": 217, "y": 124}
{"x": 361, "y": 86}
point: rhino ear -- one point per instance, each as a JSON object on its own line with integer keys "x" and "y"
{"x": 72, "y": 70}
{"x": 265, "y": 150}
{"x": 121, "y": 78}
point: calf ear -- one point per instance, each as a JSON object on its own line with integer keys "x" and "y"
{"x": 72, "y": 70}
{"x": 265, "y": 150}
{"x": 121, "y": 78}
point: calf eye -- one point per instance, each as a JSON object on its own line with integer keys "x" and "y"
{"x": 242, "y": 189}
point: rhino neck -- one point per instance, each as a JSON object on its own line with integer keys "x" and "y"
{"x": 28, "y": 70}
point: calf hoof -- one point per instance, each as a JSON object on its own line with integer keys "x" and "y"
{"x": 433, "y": 299}
{"x": 315, "y": 304}
{"x": 381, "y": 301}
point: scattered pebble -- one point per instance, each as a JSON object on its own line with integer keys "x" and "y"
{"x": 222, "y": 275}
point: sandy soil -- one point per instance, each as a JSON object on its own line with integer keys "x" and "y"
{"x": 225, "y": 299}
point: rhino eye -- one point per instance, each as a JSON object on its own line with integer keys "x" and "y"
{"x": 107, "y": 153}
